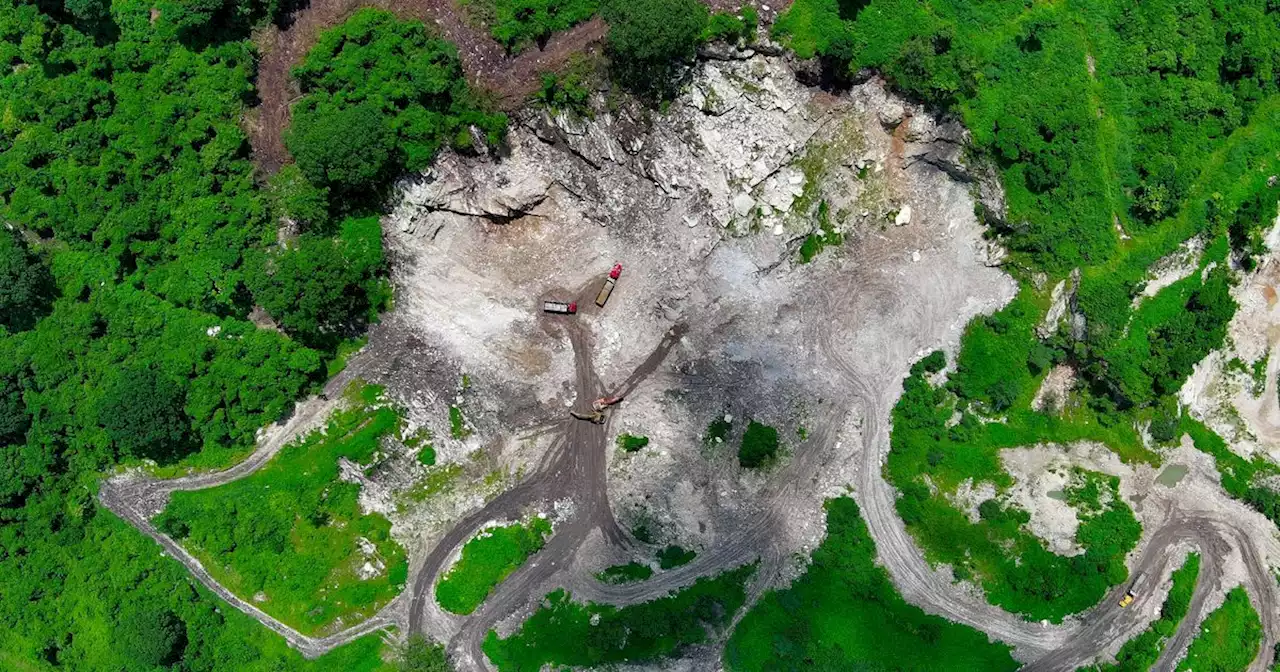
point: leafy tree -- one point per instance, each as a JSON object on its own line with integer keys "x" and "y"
{"x": 87, "y": 10}
{"x": 320, "y": 290}
{"x": 26, "y": 287}
{"x": 142, "y": 412}
{"x": 347, "y": 148}
{"x": 933, "y": 362}
{"x": 652, "y": 41}
{"x": 150, "y": 635}
{"x": 14, "y": 419}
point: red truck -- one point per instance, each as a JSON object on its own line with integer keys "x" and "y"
{"x": 609, "y": 284}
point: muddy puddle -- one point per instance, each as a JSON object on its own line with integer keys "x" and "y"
{"x": 1172, "y": 474}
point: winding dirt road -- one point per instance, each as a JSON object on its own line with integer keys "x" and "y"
{"x": 574, "y": 469}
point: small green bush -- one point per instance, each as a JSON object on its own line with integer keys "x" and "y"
{"x": 674, "y": 556}
{"x": 631, "y": 443}
{"x": 564, "y": 92}
{"x": 458, "y": 428}
{"x": 628, "y": 573}
{"x": 717, "y": 431}
{"x": 759, "y": 445}
{"x": 730, "y": 27}
{"x": 427, "y": 456}
{"x": 521, "y": 23}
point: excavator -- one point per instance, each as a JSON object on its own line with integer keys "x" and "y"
{"x": 597, "y": 410}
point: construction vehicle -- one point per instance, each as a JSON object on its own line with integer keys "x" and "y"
{"x": 609, "y": 283}
{"x": 1129, "y": 596}
{"x": 560, "y": 307}
{"x": 597, "y": 410}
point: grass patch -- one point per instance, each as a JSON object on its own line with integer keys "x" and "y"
{"x": 458, "y": 428}
{"x": 628, "y": 573}
{"x": 1141, "y": 652}
{"x": 342, "y": 353}
{"x": 630, "y": 443}
{"x": 759, "y": 445}
{"x": 1228, "y": 639}
{"x": 817, "y": 241}
{"x": 293, "y": 530}
{"x": 439, "y": 479}
{"x": 486, "y": 560}
{"x": 674, "y": 556}
{"x": 844, "y": 614}
{"x": 565, "y": 633}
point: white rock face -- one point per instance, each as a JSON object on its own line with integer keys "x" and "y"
{"x": 903, "y": 217}
{"x": 707, "y": 207}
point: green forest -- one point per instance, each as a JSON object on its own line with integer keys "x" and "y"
{"x": 138, "y": 237}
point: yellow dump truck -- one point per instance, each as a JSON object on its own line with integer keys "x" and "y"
{"x": 1128, "y": 594}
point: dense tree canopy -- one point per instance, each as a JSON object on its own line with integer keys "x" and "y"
{"x": 650, "y": 41}
{"x": 26, "y": 287}
{"x": 323, "y": 289}
{"x": 142, "y": 412}
{"x": 150, "y": 635}
{"x": 134, "y": 231}
{"x": 382, "y": 96}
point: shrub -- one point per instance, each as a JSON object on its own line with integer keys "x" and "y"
{"x": 730, "y": 27}
{"x": 422, "y": 655}
{"x": 519, "y": 23}
{"x": 631, "y": 443}
{"x": 569, "y": 90}
{"x": 934, "y": 362}
{"x": 628, "y": 573}
{"x": 674, "y": 556}
{"x": 717, "y": 431}
{"x": 759, "y": 445}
